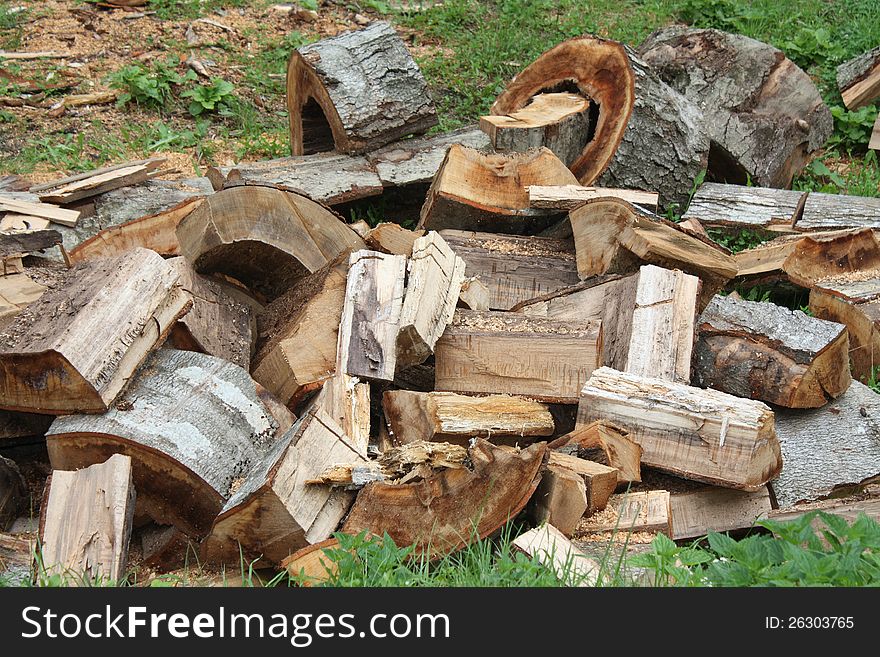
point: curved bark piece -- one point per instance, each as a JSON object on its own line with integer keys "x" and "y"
{"x": 446, "y": 511}
{"x": 763, "y": 351}
{"x": 193, "y": 424}
{"x": 264, "y": 237}
{"x": 764, "y": 114}
{"x": 490, "y": 192}
{"x": 355, "y": 92}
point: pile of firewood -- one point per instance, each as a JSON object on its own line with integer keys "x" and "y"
{"x": 223, "y": 368}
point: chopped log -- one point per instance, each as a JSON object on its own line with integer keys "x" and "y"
{"x": 491, "y": 352}
{"x": 762, "y": 351}
{"x": 151, "y": 197}
{"x": 361, "y": 227}
{"x": 514, "y": 268}
{"x": 98, "y": 181}
{"x": 558, "y": 121}
{"x": 217, "y": 324}
{"x": 764, "y": 115}
{"x": 647, "y": 511}
{"x": 560, "y": 499}
{"x": 392, "y": 238}
{"x": 474, "y": 294}
{"x": 193, "y": 424}
{"x": 696, "y": 513}
{"x": 17, "y": 291}
{"x": 476, "y": 191}
{"x": 569, "y": 197}
{"x": 829, "y": 446}
{"x": 346, "y": 399}
{"x": 22, "y": 425}
{"x": 85, "y": 524}
{"x": 266, "y": 238}
{"x": 416, "y": 161}
{"x": 717, "y": 205}
{"x": 311, "y": 565}
{"x": 330, "y": 178}
{"x": 448, "y": 510}
{"x": 434, "y": 279}
{"x": 600, "y": 480}
{"x": 448, "y": 417}
{"x": 355, "y": 92}
{"x": 549, "y": 546}
{"x": 275, "y": 512}
{"x": 694, "y": 227}
{"x": 836, "y": 211}
{"x": 874, "y": 144}
{"x": 371, "y": 315}
{"x": 19, "y": 242}
{"x": 13, "y": 491}
{"x": 48, "y": 211}
{"x": 621, "y": 453}
{"x": 298, "y": 333}
{"x": 76, "y": 347}
{"x": 350, "y": 475}
{"x": 612, "y": 236}
{"x": 157, "y": 232}
{"x": 704, "y": 435}
{"x": 858, "y": 79}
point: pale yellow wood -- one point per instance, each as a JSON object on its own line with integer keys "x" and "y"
{"x": 54, "y": 213}
{"x": 16, "y": 292}
{"x": 11, "y": 265}
{"x": 698, "y": 512}
{"x": 875, "y": 136}
{"x": 638, "y": 512}
{"x": 94, "y": 183}
{"x": 13, "y": 221}
{"x": 474, "y": 294}
{"x": 600, "y": 480}
{"x": 392, "y": 238}
{"x": 560, "y": 499}
{"x": 569, "y": 197}
{"x": 553, "y": 549}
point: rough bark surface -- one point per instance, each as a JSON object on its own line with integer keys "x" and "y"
{"x": 718, "y": 205}
{"x": 697, "y": 513}
{"x": 834, "y": 211}
{"x": 858, "y": 79}
{"x": 148, "y": 198}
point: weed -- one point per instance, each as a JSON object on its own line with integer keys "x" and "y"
{"x": 852, "y": 129}
{"x": 873, "y": 380}
{"x": 209, "y": 97}
{"x": 738, "y": 240}
{"x": 153, "y": 88}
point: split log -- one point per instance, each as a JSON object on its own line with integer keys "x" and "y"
{"x": 549, "y": 546}
{"x": 514, "y": 268}
{"x": 874, "y": 144}
{"x": 858, "y": 79}
{"x": 569, "y": 197}
{"x": 830, "y": 446}
{"x": 716, "y": 205}
{"x": 13, "y": 491}
{"x": 560, "y": 499}
{"x": 600, "y": 480}
{"x": 217, "y": 324}
{"x": 266, "y": 238}
{"x": 17, "y": 291}
{"x": 476, "y": 191}
{"x": 371, "y": 315}
{"x": 274, "y": 512}
{"x": 763, "y": 351}
{"x": 474, "y": 294}
{"x": 85, "y": 525}
{"x": 98, "y": 181}
{"x": 361, "y": 227}
{"x": 355, "y": 92}
{"x": 19, "y": 242}
{"x": 193, "y": 425}
{"x": 764, "y": 115}
{"x": 694, "y": 227}
{"x": 699, "y": 434}
{"x": 647, "y": 511}
{"x": 612, "y": 236}
{"x": 312, "y": 565}
{"x": 696, "y": 513}
{"x": 447, "y": 417}
{"x": 392, "y": 238}
{"x": 115, "y": 310}
{"x": 298, "y": 333}
{"x": 330, "y": 178}
{"x": 490, "y": 352}
{"x": 558, "y": 121}
{"x": 48, "y": 211}
{"x": 446, "y": 511}
{"x": 621, "y": 453}
{"x": 836, "y": 211}
{"x": 434, "y": 279}
{"x": 157, "y": 232}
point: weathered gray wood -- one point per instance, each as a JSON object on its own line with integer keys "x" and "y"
{"x": 716, "y": 205}
{"x": 435, "y": 275}
{"x": 76, "y": 347}
{"x": 85, "y": 524}
{"x": 371, "y": 315}
{"x": 147, "y": 198}
{"x": 16, "y": 243}
{"x": 514, "y": 268}
{"x": 98, "y": 181}
{"x": 836, "y": 444}
{"x": 763, "y": 114}
{"x": 569, "y": 197}
{"x": 858, "y": 79}
{"x": 17, "y": 558}
{"x": 193, "y": 424}
{"x": 694, "y": 514}
{"x": 13, "y": 492}
{"x": 833, "y": 211}
{"x": 699, "y": 434}
{"x": 356, "y": 91}
{"x": 767, "y": 352}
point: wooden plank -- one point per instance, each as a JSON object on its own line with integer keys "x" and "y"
{"x": 12, "y": 221}
{"x": 555, "y": 551}
{"x": 448, "y": 417}
{"x": 699, "y": 434}
{"x": 716, "y": 205}
{"x": 98, "y": 181}
{"x": 696, "y": 513}
{"x": 836, "y": 211}
{"x": 371, "y": 315}
{"x": 435, "y": 275}
{"x": 85, "y": 526}
{"x": 569, "y": 197}
{"x": 646, "y": 511}
{"x": 505, "y": 353}
{"x": 54, "y": 213}
{"x": 849, "y": 509}
{"x": 116, "y": 311}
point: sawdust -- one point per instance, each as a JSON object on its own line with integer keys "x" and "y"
{"x": 858, "y": 276}
{"x": 513, "y": 323}
{"x": 532, "y": 247}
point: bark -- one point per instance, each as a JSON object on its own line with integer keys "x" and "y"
{"x": 29, "y": 241}
{"x": 858, "y": 79}
{"x": 717, "y": 205}
{"x": 835, "y": 211}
